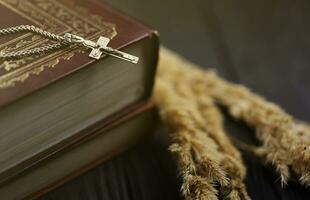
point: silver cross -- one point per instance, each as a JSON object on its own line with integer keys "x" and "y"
{"x": 97, "y": 49}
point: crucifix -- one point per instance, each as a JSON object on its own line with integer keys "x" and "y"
{"x": 100, "y": 47}
{"x": 97, "y": 48}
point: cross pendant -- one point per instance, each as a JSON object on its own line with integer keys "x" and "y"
{"x": 97, "y": 49}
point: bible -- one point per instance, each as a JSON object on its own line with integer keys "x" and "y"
{"x": 47, "y": 101}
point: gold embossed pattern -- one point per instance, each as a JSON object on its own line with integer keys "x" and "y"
{"x": 54, "y": 16}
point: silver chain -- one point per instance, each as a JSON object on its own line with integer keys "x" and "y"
{"x": 62, "y": 41}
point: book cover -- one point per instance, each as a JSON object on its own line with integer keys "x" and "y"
{"x": 87, "y": 18}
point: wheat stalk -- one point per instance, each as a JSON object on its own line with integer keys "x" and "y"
{"x": 285, "y": 142}
{"x": 205, "y": 155}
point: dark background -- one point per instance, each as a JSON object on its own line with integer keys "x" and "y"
{"x": 263, "y": 44}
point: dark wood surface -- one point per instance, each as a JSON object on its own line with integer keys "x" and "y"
{"x": 263, "y": 44}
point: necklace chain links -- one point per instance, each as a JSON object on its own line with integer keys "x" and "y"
{"x": 38, "y": 50}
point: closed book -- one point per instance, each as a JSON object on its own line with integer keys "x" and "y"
{"x": 96, "y": 144}
{"x": 47, "y": 100}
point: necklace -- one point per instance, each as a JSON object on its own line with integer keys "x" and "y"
{"x": 97, "y": 48}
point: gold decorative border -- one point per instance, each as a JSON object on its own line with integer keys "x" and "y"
{"x": 57, "y": 16}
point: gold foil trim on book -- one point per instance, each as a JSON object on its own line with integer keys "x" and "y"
{"x": 56, "y": 16}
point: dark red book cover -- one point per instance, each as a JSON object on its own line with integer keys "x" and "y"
{"x": 87, "y": 18}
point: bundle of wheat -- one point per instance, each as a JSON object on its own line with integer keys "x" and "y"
{"x": 210, "y": 166}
